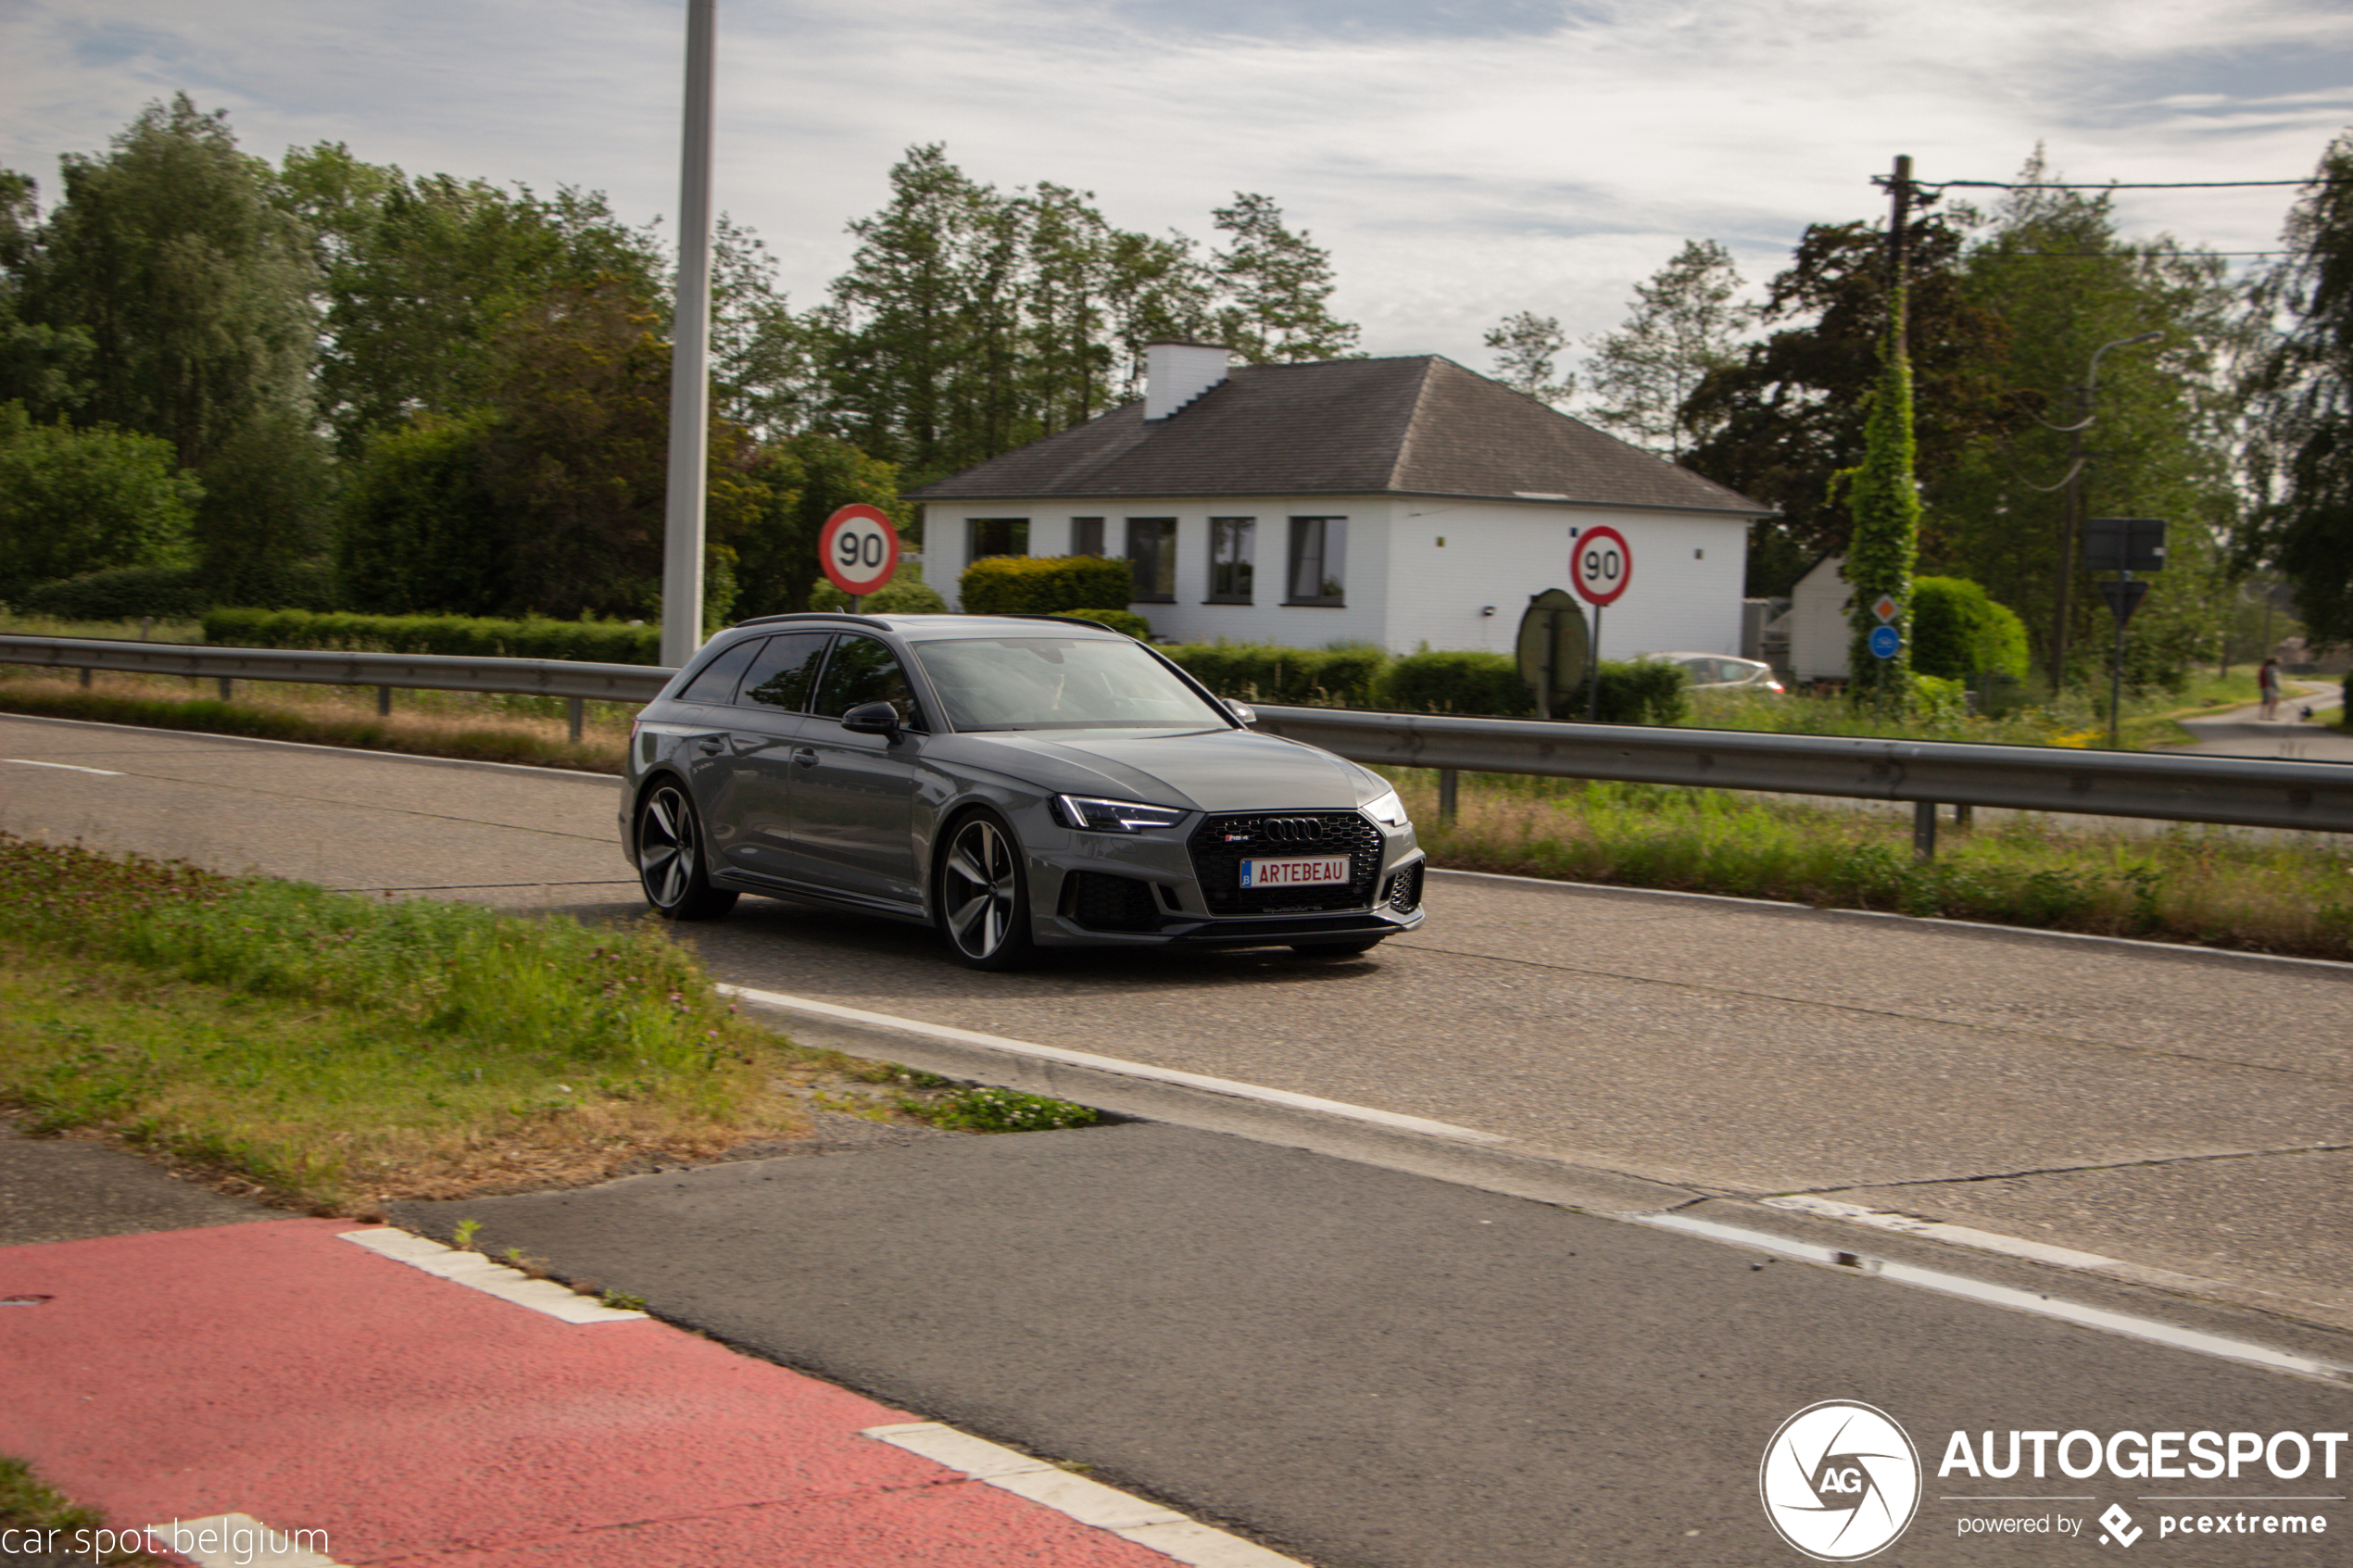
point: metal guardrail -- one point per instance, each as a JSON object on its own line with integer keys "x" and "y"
{"x": 2238, "y": 791}
{"x": 2246, "y": 792}
{"x": 579, "y": 682}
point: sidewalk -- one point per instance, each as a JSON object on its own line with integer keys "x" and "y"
{"x": 283, "y": 1374}
{"x": 2244, "y": 731}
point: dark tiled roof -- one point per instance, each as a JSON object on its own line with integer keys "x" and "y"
{"x": 1418, "y": 426}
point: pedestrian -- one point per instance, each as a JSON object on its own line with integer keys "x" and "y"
{"x": 2267, "y": 681}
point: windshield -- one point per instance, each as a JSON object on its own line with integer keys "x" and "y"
{"x": 1058, "y": 684}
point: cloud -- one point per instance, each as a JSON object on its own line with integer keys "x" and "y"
{"x": 1461, "y": 161}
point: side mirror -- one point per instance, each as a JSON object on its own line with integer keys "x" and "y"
{"x": 1243, "y": 712}
{"x": 871, "y": 719}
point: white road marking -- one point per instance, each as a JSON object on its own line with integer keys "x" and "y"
{"x": 67, "y": 766}
{"x": 1089, "y": 1502}
{"x": 2130, "y": 1324}
{"x": 811, "y": 1007}
{"x": 478, "y": 1272}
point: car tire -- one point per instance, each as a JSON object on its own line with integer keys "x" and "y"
{"x": 669, "y": 858}
{"x": 982, "y": 894}
{"x": 1353, "y": 947}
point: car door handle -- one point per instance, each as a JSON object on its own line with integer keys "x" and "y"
{"x": 806, "y": 757}
{"x": 710, "y": 745}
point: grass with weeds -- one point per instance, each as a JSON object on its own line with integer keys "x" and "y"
{"x": 335, "y": 1050}
{"x": 45, "y": 1528}
{"x": 474, "y": 726}
{"x": 2210, "y": 886}
{"x": 979, "y": 1108}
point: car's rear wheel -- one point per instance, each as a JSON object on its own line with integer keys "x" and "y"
{"x": 983, "y": 897}
{"x": 670, "y": 860}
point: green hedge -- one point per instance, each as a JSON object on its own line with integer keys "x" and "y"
{"x": 593, "y": 642}
{"x": 125, "y": 593}
{"x": 1294, "y": 677}
{"x": 1121, "y": 621}
{"x": 1460, "y": 682}
{"x": 1043, "y": 585}
{"x": 905, "y": 593}
{"x": 1958, "y": 633}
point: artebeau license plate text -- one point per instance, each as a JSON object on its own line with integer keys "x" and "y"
{"x": 1321, "y": 870}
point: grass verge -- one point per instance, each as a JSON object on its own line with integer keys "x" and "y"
{"x": 332, "y": 1051}
{"x": 2210, "y": 886}
{"x": 52, "y": 1530}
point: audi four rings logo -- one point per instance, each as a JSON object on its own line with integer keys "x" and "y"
{"x": 1290, "y": 829}
{"x": 1839, "y": 1481}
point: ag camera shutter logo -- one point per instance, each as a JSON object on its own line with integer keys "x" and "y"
{"x": 1839, "y": 1481}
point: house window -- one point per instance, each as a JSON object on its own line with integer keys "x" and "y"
{"x": 1086, "y": 536}
{"x": 1151, "y": 558}
{"x": 1233, "y": 548}
{"x": 998, "y": 536}
{"x": 1319, "y": 572}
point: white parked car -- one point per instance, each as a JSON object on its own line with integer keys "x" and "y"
{"x": 1722, "y": 672}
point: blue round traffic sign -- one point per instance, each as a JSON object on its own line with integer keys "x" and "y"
{"x": 1885, "y": 642}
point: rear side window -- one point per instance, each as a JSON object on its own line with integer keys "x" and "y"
{"x": 787, "y": 667}
{"x": 715, "y": 682}
{"x": 863, "y": 671}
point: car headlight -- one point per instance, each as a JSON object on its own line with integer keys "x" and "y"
{"x": 1091, "y": 815}
{"x": 1388, "y": 809}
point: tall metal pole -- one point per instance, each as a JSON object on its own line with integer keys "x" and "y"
{"x": 689, "y": 358}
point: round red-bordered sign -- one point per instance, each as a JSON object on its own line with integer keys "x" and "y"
{"x": 1601, "y": 565}
{"x": 857, "y": 548}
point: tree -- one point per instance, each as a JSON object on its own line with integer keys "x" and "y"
{"x": 1527, "y": 346}
{"x": 1883, "y": 543}
{"x": 799, "y": 482}
{"x": 194, "y": 285}
{"x": 1275, "y": 285}
{"x": 419, "y": 273}
{"x": 44, "y": 368}
{"x": 1684, "y": 325}
{"x": 2048, "y": 262}
{"x": 1790, "y": 414}
{"x": 74, "y": 501}
{"x": 1958, "y": 633}
{"x": 2306, "y": 397}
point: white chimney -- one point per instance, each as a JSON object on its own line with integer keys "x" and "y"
{"x": 1176, "y": 373}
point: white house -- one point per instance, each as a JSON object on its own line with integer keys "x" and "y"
{"x": 1391, "y": 501}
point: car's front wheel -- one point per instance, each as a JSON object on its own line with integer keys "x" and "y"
{"x": 983, "y": 897}
{"x": 670, "y": 861}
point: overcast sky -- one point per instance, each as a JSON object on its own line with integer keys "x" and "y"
{"x": 1461, "y": 160}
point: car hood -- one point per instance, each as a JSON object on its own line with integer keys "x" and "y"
{"x": 1207, "y": 770}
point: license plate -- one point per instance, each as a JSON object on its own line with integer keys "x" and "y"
{"x": 1320, "y": 872}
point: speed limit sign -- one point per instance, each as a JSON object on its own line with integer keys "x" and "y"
{"x": 1601, "y": 565}
{"x": 859, "y": 549}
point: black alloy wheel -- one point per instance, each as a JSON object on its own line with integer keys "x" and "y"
{"x": 669, "y": 860}
{"x": 984, "y": 898}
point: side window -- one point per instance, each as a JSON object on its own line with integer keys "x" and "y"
{"x": 1318, "y": 560}
{"x": 1233, "y": 549}
{"x": 863, "y": 671}
{"x": 782, "y": 676}
{"x": 1086, "y": 536}
{"x": 1151, "y": 558}
{"x": 715, "y": 682}
{"x": 998, "y": 536}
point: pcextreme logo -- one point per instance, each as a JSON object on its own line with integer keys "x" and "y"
{"x": 1839, "y": 1481}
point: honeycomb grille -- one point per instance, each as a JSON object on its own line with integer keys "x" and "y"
{"x": 1221, "y": 844}
{"x": 1404, "y": 893}
{"x": 1112, "y": 903}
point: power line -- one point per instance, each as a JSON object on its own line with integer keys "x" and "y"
{"x": 2120, "y": 185}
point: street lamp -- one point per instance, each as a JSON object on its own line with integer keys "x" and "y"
{"x": 2071, "y": 516}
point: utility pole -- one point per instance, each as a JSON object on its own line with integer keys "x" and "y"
{"x": 682, "y": 535}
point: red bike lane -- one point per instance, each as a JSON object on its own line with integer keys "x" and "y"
{"x": 284, "y": 1373}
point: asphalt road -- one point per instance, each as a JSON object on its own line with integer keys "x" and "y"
{"x": 1373, "y": 1368}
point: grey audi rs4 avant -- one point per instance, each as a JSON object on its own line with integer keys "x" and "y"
{"x": 1016, "y": 781}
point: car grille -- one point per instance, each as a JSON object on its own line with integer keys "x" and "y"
{"x": 1405, "y": 892}
{"x": 1221, "y": 844}
{"x": 1112, "y": 903}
